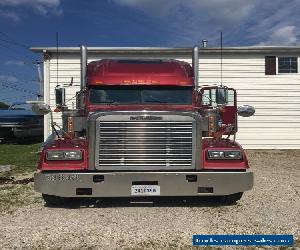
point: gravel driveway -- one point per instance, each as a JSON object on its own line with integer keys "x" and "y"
{"x": 272, "y": 207}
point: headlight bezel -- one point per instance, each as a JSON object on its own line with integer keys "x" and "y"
{"x": 63, "y": 155}
{"x": 224, "y": 154}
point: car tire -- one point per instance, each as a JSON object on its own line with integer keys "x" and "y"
{"x": 52, "y": 200}
{"x": 230, "y": 199}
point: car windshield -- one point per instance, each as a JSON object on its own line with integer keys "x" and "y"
{"x": 141, "y": 95}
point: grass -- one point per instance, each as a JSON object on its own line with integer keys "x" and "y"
{"x": 23, "y": 158}
{"x": 15, "y": 196}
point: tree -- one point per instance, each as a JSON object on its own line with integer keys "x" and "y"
{"x": 3, "y": 105}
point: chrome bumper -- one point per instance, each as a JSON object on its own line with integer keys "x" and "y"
{"x": 118, "y": 184}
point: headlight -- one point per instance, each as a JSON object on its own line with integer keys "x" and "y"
{"x": 215, "y": 154}
{"x": 224, "y": 154}
{"x": 58, "y": 155}
{"x": 233, "y": 154}
{"x": 73, "y": 155}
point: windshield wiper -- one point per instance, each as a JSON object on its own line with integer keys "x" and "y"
{"x": 153, "y": 100}
{"x": 112, "y": 102}
{"x": 108, "y": 102}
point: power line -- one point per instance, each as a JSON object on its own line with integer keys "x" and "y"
{"x": 12, "y": 99}
{"x": 26, "y": 63}
{"x": 27, "y": 77}
{"x": 12, "y": 43}
{"x": 15, "y": 87}
{"x": 22, "y": 45}
{"x": 9, "y": 42}
{"x": 21, "y": 77}
{"x": 17, "y": 53}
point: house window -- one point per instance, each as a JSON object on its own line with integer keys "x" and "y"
{"x": 287, "y": 65}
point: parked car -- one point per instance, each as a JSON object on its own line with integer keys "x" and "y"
{"x": 20, "y": 122}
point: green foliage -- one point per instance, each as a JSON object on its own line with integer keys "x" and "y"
{"x": 3, "y": 105}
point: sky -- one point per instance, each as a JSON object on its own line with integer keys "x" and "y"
{"x": 126, "y": 23}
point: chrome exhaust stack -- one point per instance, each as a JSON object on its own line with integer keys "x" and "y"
{"x": 195, "y": 64}
{"x": 83, "y": 67}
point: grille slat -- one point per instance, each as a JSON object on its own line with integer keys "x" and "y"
{"x": 143, "y": 149}
{"x": 144, "y": 154}
{"x": 145, "y": 132}
{"x": 169, "y": 159}
{"x": 142, "y": 144}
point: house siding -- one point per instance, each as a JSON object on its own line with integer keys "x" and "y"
{"x": 276, "y": 98}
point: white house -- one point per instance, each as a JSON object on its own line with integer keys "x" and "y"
{"x": 267, "y": 78}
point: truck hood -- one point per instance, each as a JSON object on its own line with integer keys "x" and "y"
{"x": 186, "y": 108}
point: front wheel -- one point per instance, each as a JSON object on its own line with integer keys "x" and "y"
{"x": 230, "y": 199}
{"x": 52, "y": 200}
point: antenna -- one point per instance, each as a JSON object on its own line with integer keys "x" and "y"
{"x": 57, "y": 60}
{"x": 221, "y": 58}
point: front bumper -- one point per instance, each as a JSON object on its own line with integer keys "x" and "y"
{"x": 118, "y": 184}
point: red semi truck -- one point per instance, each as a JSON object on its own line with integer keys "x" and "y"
{"x": 144, "y": 128}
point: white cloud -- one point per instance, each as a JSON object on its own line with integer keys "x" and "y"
{"x": 6, "y": 78}
{"x": 242, "y": 22}
{"x": 190, "y": 21}
{"x": 14, "y": 9}
{"x": 18, "y": 2}
{"x": 287, "y": 35}
{"x": 227, "y": 9}
{"x": 10, "y": 15}
{"x": 33, "y": 3}
{"x": 277, "y": 23}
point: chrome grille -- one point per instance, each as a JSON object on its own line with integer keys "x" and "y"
{"x": 145, "y": 144}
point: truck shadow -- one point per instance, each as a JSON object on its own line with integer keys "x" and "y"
{"x": 154, "y": 202}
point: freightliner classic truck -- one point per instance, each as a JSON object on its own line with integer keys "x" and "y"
{"x": 144, "y": 128}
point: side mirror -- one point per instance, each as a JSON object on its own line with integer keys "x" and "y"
{"x": 79, "y": 99}
{"x": 221, "y": 95}
{"x": 246, "y": 111}
{"x": 60, "y": 96}
{"x": 41, "y": 108}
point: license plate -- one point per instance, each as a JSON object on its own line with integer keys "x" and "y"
{"x": 145, "y": 190}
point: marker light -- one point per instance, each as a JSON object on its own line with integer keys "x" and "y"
{"x": 211, "y": 125}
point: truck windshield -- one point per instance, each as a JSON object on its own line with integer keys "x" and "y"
{"x": 141, "y": 95}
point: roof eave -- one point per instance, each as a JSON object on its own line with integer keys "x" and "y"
{"x": 167, "y": 50}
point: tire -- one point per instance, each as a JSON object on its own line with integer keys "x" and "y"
{"x": 230, "y": 199}
{"x": 52, "y": 200}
